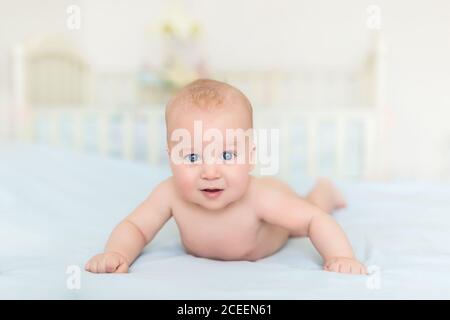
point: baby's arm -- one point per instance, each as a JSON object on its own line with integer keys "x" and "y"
{"x": 129, "y": 238}
{"x": 283, "y": 207}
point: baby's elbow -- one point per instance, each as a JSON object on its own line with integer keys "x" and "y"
{"x": 138, "y": 230}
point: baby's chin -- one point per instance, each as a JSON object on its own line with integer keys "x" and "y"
{"x": 213, "y": 205}
{"x": 224, "y": 201}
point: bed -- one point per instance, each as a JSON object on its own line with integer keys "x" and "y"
{"x": 58, "y": 206}
{"x": 73, "y": 165}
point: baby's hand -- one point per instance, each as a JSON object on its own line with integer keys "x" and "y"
{"x": 344, "y": 265}
{"x": 108, "y": 262}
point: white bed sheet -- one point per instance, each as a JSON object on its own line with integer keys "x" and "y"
{"x": 57, "y": 208}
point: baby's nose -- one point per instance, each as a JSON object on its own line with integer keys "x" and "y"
{"x": 210, "y": 172}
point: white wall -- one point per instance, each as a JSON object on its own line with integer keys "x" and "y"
{"x": 237, "y": 34}
{"x": 419, "y": 86}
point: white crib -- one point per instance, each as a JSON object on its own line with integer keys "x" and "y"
{"x": 345, "y": 139}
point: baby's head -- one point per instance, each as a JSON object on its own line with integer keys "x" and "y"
{"x": 210, "y": 164}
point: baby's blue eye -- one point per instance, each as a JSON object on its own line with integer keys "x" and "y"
{"x": 193, "y": 157}
{"x": 227, "y": 155}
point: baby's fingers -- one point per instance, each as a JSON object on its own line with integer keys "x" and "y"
{"x": 327, "y": 266}
{"x": 92, "y": 266}
{"x": 355, "y": 269}
{"x": 110, "y": 264}
{"x": 362, "y": 269}
{"x": 116, "y": 265}
{"x": 352, "y": 268}
{"x": 123, "y": 268}
{"x": 358, "y": 268}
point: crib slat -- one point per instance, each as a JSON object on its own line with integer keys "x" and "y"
{"x": 103, "y": 129}
{"x": 340, "y": 146}
{"x": 369, "y": 145}
{"x": 286, "y": 154}
{"x": 153, "y": 145}
{"x": 3, "y": 122}
{"x": 128, "y": 134}
{"x": 29, "y": 132}
{"x": 78, "y": 128}
{"x": 312, "y": 146}
{"x": 54, "y": 125}
{"x": 286, "y": 120}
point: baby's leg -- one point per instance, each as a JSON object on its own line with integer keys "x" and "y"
{"x": 326, "y": 196}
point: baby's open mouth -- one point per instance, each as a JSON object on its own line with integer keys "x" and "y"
{"x": 212, "y": 192}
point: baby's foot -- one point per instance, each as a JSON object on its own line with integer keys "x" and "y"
{"x": 336, "y": 196}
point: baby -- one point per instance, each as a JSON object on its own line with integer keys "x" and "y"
{"x": 222, "y": 212}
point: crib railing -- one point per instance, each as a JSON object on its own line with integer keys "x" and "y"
{"x": 312, "y": 142}
{"x": 323, "y": 142}
{"x": 110, "y": 133}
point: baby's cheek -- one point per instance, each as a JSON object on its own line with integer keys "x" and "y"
{"x": 185, "y": 181}
{"x": 239, "y": 178}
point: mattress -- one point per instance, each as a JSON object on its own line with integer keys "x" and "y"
{"x": 58, "y": 207}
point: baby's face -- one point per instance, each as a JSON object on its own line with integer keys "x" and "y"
{"x": 208, "y": 171}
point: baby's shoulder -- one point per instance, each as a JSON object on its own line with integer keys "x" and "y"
{"x": 269, "y": 189}
{"x": 270, "y": 184}
{"x": 164, "y": 188}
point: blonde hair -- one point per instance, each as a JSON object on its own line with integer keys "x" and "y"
{"x": 208, "y": 95}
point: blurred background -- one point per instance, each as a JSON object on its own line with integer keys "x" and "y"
{"x": 358, "y": 89}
